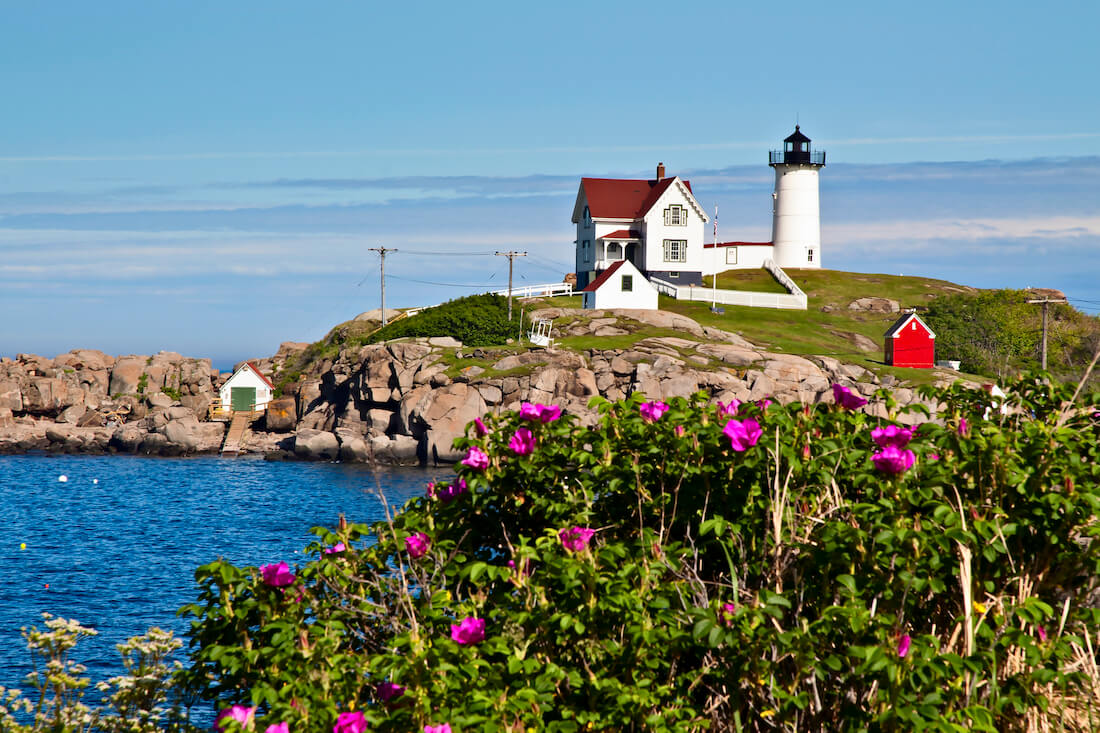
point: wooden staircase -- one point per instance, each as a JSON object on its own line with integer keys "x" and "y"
{"x": 237, "y": 427}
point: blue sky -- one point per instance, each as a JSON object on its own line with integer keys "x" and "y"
{"x": 207, "y": 177}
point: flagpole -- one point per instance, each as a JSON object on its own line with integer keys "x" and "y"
{"x": 714, "y": 264}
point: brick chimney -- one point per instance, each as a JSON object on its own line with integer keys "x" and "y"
{"x": 660, "y": 171}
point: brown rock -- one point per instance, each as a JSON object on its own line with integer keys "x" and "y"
{"x": 281, "y": 415}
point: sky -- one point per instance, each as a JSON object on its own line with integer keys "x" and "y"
{"x": 209, "y": 177}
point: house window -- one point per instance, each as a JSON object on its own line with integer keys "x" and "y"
{"x": 628, "y": 283}
{"x": 586, "y": 250}
{"x": 673, "y": 276}
{"x": 675, "y": 216}
{"x": 614, "y": 251}
{"x": 809, "y": 255}
{"x": 731, "y": 255}
{"x": 675, "y": 250}
{"x": 587, "y": 218}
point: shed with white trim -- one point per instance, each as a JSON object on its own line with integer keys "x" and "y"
{"x": 247, "y": 390}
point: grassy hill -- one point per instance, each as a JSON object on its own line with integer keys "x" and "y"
{"x": 828, "y": 327}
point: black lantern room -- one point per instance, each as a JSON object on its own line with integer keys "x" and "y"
{"x": 796, "y": 151}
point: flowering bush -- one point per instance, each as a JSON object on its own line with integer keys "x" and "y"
{"x": 766, "y": 576}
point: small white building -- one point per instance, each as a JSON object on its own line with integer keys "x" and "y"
{"x": 725, "y": 256}
{"x": 247, "y": 390}
{"x": 621, "y": 285}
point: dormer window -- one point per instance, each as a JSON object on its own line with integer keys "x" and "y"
{"x": 675, "y": 216}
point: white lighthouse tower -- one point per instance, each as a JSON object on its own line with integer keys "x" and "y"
{"x": 796, "y": 221}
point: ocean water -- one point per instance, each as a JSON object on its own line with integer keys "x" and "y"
{"x": 116, "y": 545}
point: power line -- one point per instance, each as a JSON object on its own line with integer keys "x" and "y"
{"x": 448, "y": 285}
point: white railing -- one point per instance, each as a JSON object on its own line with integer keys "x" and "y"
{"x": 531, "y": 291}
{"x": 526, "y": 291}
{"x": 794, "y": 300}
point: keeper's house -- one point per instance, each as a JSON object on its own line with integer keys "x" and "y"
{"x": 910, "y": 343}
{"x": 656, "y": 225}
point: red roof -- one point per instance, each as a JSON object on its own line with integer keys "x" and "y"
{"x": 618, "y": 198}
{"x": 737, "y": 244}
{"x": 623, "y": 234}
{"x": 260, "y": 374}
{"x": 595, "y": 284}
{"x": 895, "y": 330}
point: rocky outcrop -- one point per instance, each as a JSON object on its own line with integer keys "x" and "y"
{"x": 401, "y": 402}
{"x": 88, "y": 401}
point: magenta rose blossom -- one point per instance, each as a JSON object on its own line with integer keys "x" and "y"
{"x": 528, "y": 411}
{"x": 240, "y": 713}
{"x": 894, "y": 460}
{"x": 337, "y": 548}
{"x": 743, "y": 434}
{"x": 891, "y": 435}
{"x": 963, "y": 426}
{"x": 523, "y": 442}
{"x": 652, "y": 411}
{"x": 903, "y": 645}
{"x": 353, "y": 722}
{"x": 729, "y": 410}
{"x": 727, "y": 612}
{"x": 549, "y": 413}
{"x": 443, "y": 728}
{"x": 388, "y": 691}
{"x": 417, "y": 545}
{"x": 277, "y": 576}
{"x": 680, "y": 431}
{"x": 450, "y": 492}
{"x": 476, "y": 458}
{"x": 575, "y": 539}
{"x": 278, "y": 728}
{"x": 468, "y": 631}
{"x": 480, "y": 428}
{"x": 846, "y": 398}
{"x": 763, "y": 404}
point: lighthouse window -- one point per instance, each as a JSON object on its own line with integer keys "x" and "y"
{"x": 675, "y": 216}
{"x": 675, "y": 250}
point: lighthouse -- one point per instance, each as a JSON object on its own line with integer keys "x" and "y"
{"x": 796, "y": 221}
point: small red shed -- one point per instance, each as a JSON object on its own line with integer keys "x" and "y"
{"x": 910, "y": 343}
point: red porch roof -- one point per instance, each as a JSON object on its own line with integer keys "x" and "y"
{"x": 623, "y": 234}
{"x": 595, "y": 284}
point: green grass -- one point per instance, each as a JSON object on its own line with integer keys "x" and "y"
{"x": 753, "y": 281}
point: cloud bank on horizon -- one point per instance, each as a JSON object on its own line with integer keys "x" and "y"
{"x": 230, "y": 268}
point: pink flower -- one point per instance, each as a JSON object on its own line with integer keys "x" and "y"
{"x": 476, "y": 458}
{"x": 743, "y": 435}
{"x": 444, "y": 728}
{"x": 468, "y": 631}
{"x": 891, "y": 435}
{"x": 431, "y": 489}
{"x": 529, "y": 411}
{"x": 763, "y": 404}
{"x": 933, "y": 456}
{"x": 963, "y": 426}
{"x": 417, "y": 545}
{"x": 575, "y": 539}
{"x": 729, "y": 410}
{"x": 894, "y": 460}
{"x": 450, "y": 492}
{"x": 240, "y": 713}
{"x": 278, "y": 728}
{"x": 726, "y": 613}
{"x": 480, "y": 428}
{"x": 523, "y": 442}
{"x": 353, "y": 722}
{"x": 388, "y": 691}
{"x": 549, "y": 413}
{"x": 525, "y": 567}
{"x": 652, "y": 411}
{"x": 903, "y": 645}
{"x": 338, "y": 547}
{"x": 679, "y": 431}
{"x": 846, "y": 398}
{"x": 1042, "y": 633}
{"x": 277, "y": 576}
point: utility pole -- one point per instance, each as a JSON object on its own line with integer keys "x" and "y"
{"x": 382, "y": 254}
{"x": 1046, "y": 304}
{"x": 511, "y": 258}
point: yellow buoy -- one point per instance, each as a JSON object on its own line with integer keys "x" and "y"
{"x": 22, "y": 545}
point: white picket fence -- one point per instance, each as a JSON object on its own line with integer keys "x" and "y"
{"x": 524, "y": 291}
{"x": 794, "y": 299}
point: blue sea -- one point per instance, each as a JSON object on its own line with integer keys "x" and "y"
{"x": 116, "y": 545}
